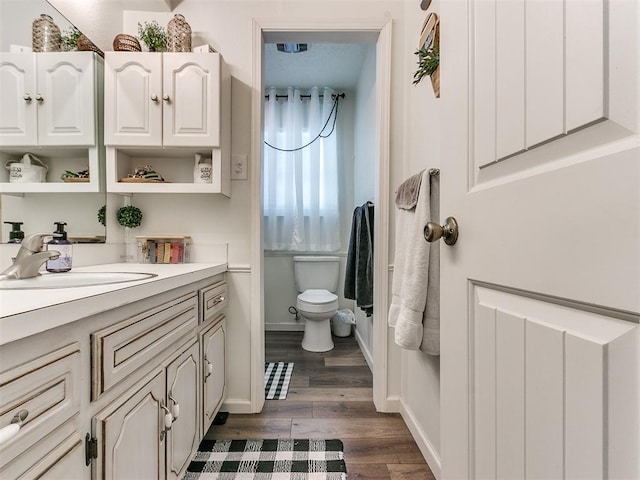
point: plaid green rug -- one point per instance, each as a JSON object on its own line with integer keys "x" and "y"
{"x": 282, "y": 459}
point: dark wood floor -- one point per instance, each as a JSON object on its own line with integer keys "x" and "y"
{"x": 330, "y": 396}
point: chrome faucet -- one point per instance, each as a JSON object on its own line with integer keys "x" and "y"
{"x": 29, "y": 258}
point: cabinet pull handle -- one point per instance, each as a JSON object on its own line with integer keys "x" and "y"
{"x": 39, "y": 98}
{"x": 168, "y": 418}
{"x": 213, "y": 302}
{"x": 11, "y": 430}
{"x": 209, "y": 368}
{"x": 166, "y": 98}
{"x": 27, "y": 97}
{"x": 175, "y": 409}
{"x": 154, "y": 98}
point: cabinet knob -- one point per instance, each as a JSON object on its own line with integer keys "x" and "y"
{"x": 39, "y": 98}
{"x": 154, "y": 98}
{"x": 166, "y": 98}
{"x": 27, "y": 97}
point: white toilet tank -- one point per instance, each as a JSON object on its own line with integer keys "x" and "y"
{"x": 316, "y": 272}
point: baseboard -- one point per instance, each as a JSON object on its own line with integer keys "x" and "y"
{"x": 365, "y": 351}
{"x": 284, "y": 327}
{"x": 422, "y": 440}
{"x": 236, "y": 405}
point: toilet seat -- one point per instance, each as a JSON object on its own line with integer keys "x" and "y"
{"x": 317, "y": 301}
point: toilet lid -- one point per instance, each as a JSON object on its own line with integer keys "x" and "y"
{"x": 317, "y": 296}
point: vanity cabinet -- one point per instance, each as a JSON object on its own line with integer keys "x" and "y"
{"x": 163, "y": 109}
{"x": 127, "y": 393}
{"x": 48, "y": 99}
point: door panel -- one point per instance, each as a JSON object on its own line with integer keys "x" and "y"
{"x": 18, "y": 125}
{"x": 541, "y": 375}
{"x": 540, "y": 308}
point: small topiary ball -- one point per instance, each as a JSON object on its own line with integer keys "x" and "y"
{"x": 102, "y": 215}
{"x": 129, "y": 216}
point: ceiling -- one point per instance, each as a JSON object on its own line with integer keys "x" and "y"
{"x": 335, "y": 65}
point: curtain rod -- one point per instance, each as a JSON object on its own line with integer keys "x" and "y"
{"x": 333, "y": 95}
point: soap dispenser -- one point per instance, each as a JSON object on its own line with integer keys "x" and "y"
{"x": 61, "y": 243}
{"x": 16, "y": 235}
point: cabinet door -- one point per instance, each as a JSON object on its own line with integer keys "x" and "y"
{"x": 65, "y": 97}
{"x": 182, "y": 398}
{"x": 213, "y": 352}
{"x": 131, "y": 434}
{"x": 133, "y": 99}
{"x": 17, "y": 99}
{"x": 191, "y": 88}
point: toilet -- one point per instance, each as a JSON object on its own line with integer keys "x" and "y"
{"x": 317, "y": 281}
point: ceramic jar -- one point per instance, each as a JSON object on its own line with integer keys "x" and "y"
{"x": 45, "y": 35}
{"x": 178, "y": 35}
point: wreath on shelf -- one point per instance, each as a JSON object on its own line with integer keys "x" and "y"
{"x": 129, "y": 216}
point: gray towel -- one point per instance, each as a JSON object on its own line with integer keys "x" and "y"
{"x": 407, "y": 193}
{"x": 358, "y": 282}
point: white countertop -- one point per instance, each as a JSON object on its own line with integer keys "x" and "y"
{"x": 27, "y": 312}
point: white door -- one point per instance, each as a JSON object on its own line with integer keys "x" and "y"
{"x": 18, "y": 124}
{"x": 65, "y": 98}
{"x": 191, "y": 99}
{"x": 541, "y": 292}
{"x": 213, "y": 370}
{"x": 183, "y": 377}
{"x": 133, "y": 99}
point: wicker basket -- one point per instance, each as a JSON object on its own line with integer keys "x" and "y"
{"x": 86, "y": 45}
{"x": 126, "y": 43}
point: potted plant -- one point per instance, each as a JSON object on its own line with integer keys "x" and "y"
{"x": 153, "y": 36}
{"x": 428, "y": 63}
{"x": 69, "y": 39}
{"x": 129, "y": 216}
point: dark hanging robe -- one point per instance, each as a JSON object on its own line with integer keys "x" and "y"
{"x": 358, "y": 282}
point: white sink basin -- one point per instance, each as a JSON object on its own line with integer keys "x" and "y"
{"x": 73, "y": 279}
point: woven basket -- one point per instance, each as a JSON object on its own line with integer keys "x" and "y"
{"x": 86, "y": 45}
{"x": 126, "y": 43}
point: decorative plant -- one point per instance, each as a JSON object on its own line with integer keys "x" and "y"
{"x": 102, "y": 215}
{"x": 153, "y": 36}
{"x": 129, "y": 216}
{"x": 69, "y": 39}
{"x": 428, "y": 61}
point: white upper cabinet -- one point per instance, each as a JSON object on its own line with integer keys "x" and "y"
{"x": 163, "y": 99}
{"x": 48, "y": 99}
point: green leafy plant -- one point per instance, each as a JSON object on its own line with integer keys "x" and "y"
{"x": 69, "y": 39}
{"x": 428, "y": 61}
{"x": 153, "y": 36}
{"x": 102, "y": 215}
{"x": 129, "y": 216}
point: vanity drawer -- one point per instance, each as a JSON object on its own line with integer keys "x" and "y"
{"x": 123, "y": 348}
{"x": 213, "y": 300}
{"x": 49, "y": 390}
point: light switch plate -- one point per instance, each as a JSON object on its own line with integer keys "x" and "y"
{"x": 238, "y": 167}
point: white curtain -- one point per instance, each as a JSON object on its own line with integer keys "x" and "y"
{"x": 301, "y": 187}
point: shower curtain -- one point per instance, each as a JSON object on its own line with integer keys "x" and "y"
{"x": 300, "y": 187}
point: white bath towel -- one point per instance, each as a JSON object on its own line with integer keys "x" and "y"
{"x": 415, "y": 300}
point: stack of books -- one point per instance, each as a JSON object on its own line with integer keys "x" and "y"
{"x": 166, "y": 249}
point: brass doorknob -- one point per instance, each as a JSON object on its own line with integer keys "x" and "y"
{"x": 433, "y": 232}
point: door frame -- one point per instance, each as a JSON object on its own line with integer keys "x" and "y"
{"x": 381, "y": 28}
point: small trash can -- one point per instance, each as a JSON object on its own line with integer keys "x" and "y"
{"x": 341, "y": 323}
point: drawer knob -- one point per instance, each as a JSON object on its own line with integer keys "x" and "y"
{"x": 11, "y": 430}
{"x": 215, "y": 301}
{"x": 209, "y": 367}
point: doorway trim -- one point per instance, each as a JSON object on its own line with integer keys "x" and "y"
{"x": 381, "y": 28}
